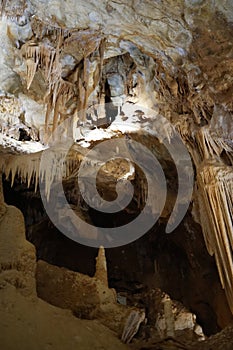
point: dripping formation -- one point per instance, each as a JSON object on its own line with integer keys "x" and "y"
{"x": 214, "y": 200}
{"x": 65, "y": 96}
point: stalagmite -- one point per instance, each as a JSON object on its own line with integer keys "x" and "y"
{"x": 101, "y": 267}
{"x": 169, "y": 317}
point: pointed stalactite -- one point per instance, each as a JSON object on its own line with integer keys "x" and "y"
{"x": 47, "y": 118}
{"x": 26, "y": 167}
{"x": 98, "y": 81}
{"x": 31, "y": 71}
{"x": 101, "y": 272}
{"x": 86, "y": 78}
{"x": 46, "y": 57}
{"x": 84, "y": 88}
{"x": 31, "y": 53}
{"x": 56, "y": 115}
{"x": 101, "y": 55}
{"x": 3, "y": 6}
{"x": 56, "y": 166}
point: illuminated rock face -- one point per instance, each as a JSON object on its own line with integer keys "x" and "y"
{"x": 60, "y": 59}
{"x": 26, "y": 317}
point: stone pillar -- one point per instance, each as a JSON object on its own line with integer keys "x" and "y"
{"x": 101, "y": 272}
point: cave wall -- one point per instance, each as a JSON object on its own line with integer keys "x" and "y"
{"x": 176, "y": 57}
{"x": 176, "y": 263}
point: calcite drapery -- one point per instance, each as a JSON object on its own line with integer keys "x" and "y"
{"x": 215, "y": 188}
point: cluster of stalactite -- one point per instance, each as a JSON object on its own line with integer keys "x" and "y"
{"x": 65, "y": 96}
{"x": 190, "y": 107}
{"x": 214, "y": 199}
{"x": 215, "y": 188}
{"x": 30, "y": 169}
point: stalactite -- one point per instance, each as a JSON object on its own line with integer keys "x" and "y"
{"x": 86, "y": 78}
{"x": 29, "y": 169}
{"x": 3, "y": 6}
{"x": 25, "y": 166}
{"x": 215, "y": 185}
{"x": 215, "y": 201}
{"x": 46, "y": 57}
{"x": 31, "y": 71}
{"x": 82, "y": 94}
{"x": 101, "y": 62}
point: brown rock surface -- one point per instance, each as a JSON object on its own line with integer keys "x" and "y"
{"x": 87, "y": 297}
{"x": 26, "y": 321}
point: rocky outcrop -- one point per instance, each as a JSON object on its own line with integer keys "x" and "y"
{"x": 88, "y": 298}
{"x": 34, "y": 324}
{"x": 172, "y": 319}
{"x": 26, "y": 320}
{"x": 18, "y": 261}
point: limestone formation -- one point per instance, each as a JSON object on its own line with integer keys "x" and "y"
{"x": 76, "y": 73}
{"x": 26, "y": 320}
{"x": 101, "y": 267}
{"x": 88, "y": 298}
{"x": 171, "y": 319}
{"x": 17, "y": 261}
